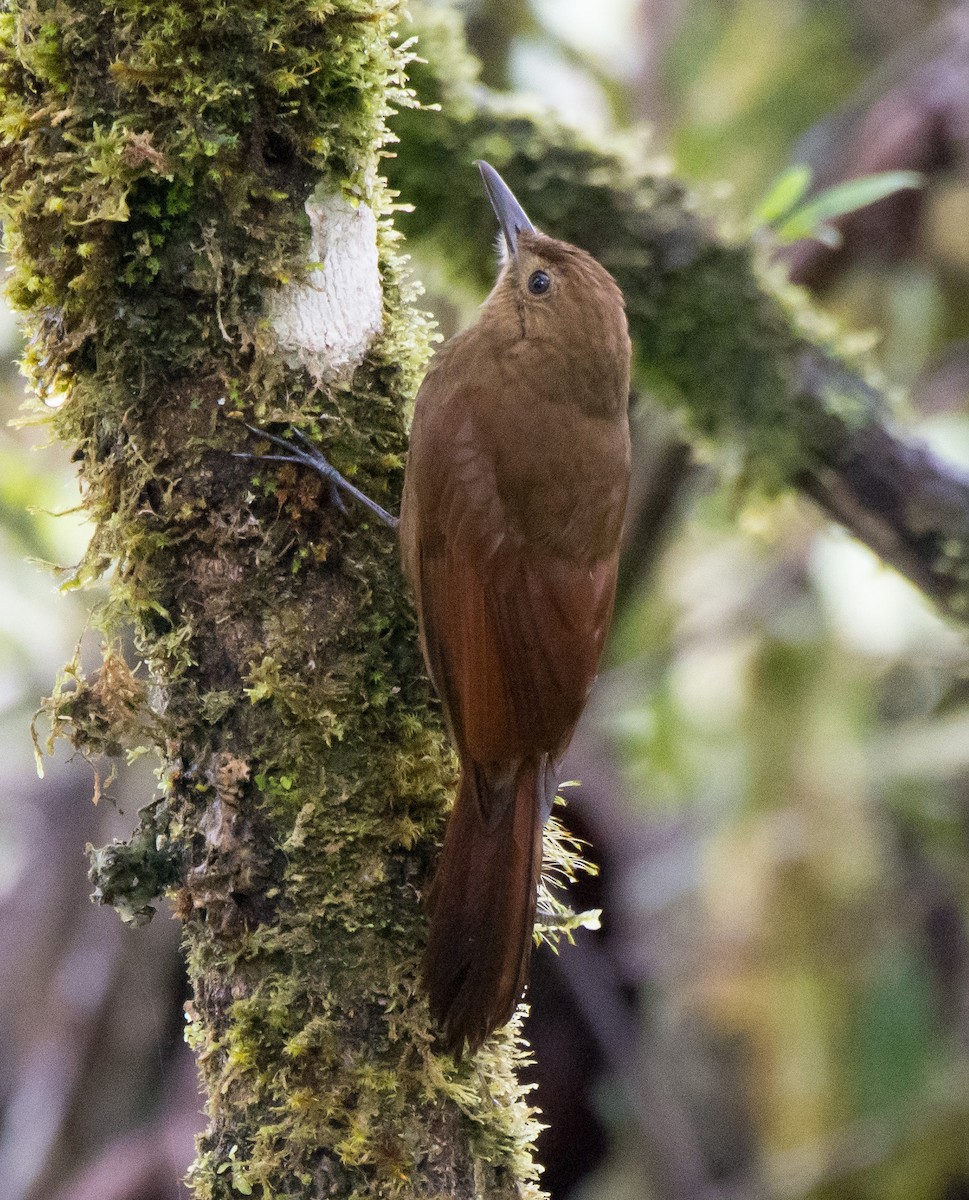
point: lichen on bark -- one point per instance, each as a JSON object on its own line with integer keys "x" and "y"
{"x": 157, "y": 159}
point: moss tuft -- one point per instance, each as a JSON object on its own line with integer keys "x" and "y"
{"x": 131, "y": 875}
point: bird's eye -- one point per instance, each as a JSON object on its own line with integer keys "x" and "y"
{"x": 539, "y": 283}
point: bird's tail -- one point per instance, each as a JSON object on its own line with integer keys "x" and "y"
{"x": 482, "y": 903}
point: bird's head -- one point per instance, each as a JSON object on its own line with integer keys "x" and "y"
{"x": 553, "y": 292}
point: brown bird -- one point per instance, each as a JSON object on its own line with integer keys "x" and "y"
{"x": 514, "y": 495}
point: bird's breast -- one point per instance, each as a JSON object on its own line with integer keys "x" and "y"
{"x": 561, "y": 474}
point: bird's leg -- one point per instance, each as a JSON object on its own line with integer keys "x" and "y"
{"x": 305, "y": 454}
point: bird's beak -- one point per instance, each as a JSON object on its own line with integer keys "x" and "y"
{"x": 510, "y": 214}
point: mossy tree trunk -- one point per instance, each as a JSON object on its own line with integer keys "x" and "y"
{"x": 160, "y": 160}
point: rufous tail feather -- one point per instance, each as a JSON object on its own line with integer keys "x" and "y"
{"x": 482, "y": 904}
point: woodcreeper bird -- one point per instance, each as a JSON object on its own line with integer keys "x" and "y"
{"x": 514, "y": 496}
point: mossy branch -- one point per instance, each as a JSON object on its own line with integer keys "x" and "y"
{"x": 718, "y": 333}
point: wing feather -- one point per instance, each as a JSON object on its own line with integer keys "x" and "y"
{"x": 512, "y": 628}
{"x": 513, "y": 643}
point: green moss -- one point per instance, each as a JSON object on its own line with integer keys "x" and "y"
{"x": 131, "y": 875}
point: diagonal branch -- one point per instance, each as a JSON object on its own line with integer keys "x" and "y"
{"x": 893, "y": 493}
{"x": 718, "y": 333}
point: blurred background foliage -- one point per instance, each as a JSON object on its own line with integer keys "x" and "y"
{"x": 775, "y": 768}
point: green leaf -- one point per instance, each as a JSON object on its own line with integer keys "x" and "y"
{"x": 813, "y": 219}
{"x": 787, "y": 191}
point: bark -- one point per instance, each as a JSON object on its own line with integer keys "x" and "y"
{"x": 161, "y": 162}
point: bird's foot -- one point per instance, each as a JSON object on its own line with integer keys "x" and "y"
{"x": 302, "y": 452}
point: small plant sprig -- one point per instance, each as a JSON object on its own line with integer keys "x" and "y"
{"x": 791, "y": 214}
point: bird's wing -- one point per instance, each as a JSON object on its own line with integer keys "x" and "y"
{"x": 513, "y": 644}
{"x": 512, "y": 633}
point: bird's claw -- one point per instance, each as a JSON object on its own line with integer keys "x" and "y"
{"x": 307, "y": 455}
{"x": 336, "y": 499}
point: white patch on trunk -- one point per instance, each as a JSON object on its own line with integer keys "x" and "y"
{"x": 328, "y": 321}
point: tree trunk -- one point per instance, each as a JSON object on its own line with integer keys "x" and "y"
{"x": 160, "y": 165}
